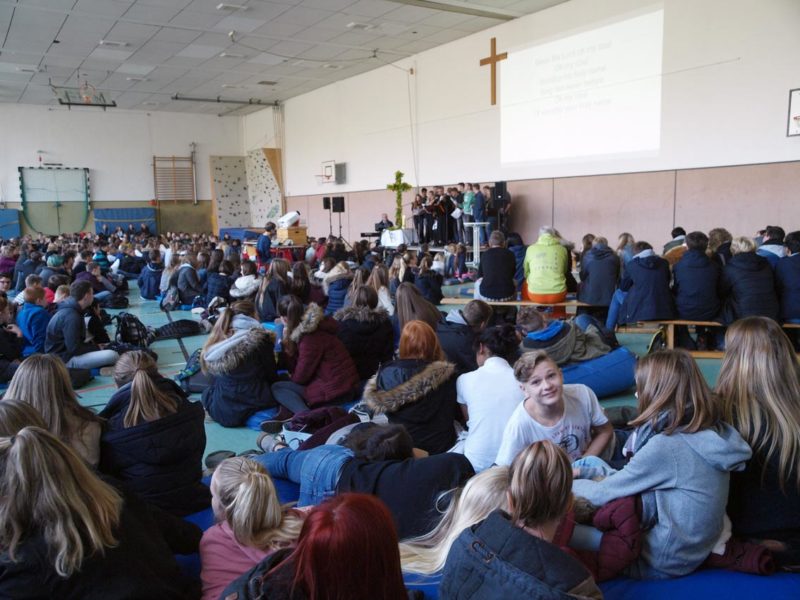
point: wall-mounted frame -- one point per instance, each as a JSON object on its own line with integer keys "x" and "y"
{"x": 793, "y": 126}
{"x": 55, "y": 199}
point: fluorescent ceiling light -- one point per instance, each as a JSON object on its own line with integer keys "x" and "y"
{"x": 113, "y": 44}
{"x": 231, "y": 55}
{"x": 226, "y": 6}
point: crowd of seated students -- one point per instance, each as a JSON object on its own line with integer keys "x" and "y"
{"x": 460, "y": 401}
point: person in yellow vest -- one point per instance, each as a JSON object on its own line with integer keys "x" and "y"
{"x": 546, "y": 264}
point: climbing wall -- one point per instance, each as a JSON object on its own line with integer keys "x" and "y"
{"x": 263, "y": 188}
{"x": 230, "y": 191}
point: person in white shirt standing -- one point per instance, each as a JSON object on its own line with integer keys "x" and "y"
{"x": 488, "y": 396}
{"x": 568, "y": 415}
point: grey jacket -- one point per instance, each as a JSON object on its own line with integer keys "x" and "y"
{"x": 683, "y": 479}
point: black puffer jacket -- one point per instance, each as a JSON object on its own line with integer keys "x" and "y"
{"x": 430, "y": 286}
{"x": 242, "y": 368}
{"x": 160, "y": 461}
{"x": 748, "y": 288}
{"x": 368, "y": 336}
{"x": 267, "y": 303}
{"x": 457, "y": 339}
{"x": 421, "y": 396}
{"x": 599, "y": 275}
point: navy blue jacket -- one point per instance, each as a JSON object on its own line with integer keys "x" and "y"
{"x": 695, "y": 283}
{"x": 267, "y": 303}
{"x": 787, "y": 275}
{"x": 160, "y": 461}
{"x": 456, "y": 340}
{"x": 647, "y": 283}
{"x": 218, "y": 284}
{"x": 479, "y": 207}
{"x": 337, "y": 292}
{"x": 430, "y": 285}
{"x": 519, "y": 257}
{"x": 264, "y": 248}
{"x": 150, "y": 280}
{"x": 599, "y": 275}
{"x": 66, "y": 332}
{"x": 748, "y": 288}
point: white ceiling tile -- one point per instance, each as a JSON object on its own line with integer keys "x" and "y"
{"x": 356, "y": 38}
{"x": 316, "y": 34}
{"x": 445, "y": 19}
{"x": 410, "y": 14}
{"x": 328, "y": 4}
{"x": 56, "y": 59}
{"x": 219, "y": 40}
{"x": 109, "y": 54}
{"x": 156, "y": 52}
{"x": 289, "y": 49}
{"x": 176, "y": 35}
{"x": 210, "y": 6}
{"x": 370, "y": 8}
{"x": 106, "y": 8}
{"x": 134, "y": 34}
{"x": 322, "y": 52}
{"x": 240, "y": 24}
{"x": 476, "y": 24}
{"x": 87, "y": 26}
{"x": 199, "y": 51}
{"x": 264, "y": 10}
{"x": 151, "y": 14}
{"x": 61, "y": 4}
{"x": 280, "y": 29}
{"x": 188, "y": 18}
{"x": 300, "y": 15}
{"x": 135, "y": 69}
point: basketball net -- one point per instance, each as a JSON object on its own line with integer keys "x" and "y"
{"x": 87, "y": 92}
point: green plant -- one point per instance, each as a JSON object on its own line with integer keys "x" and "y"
{"x": 398, "y": 187}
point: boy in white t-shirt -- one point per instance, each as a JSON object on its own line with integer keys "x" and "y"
{"x": 568, "y": 415}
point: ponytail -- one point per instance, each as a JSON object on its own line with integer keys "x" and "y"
{"x": 147, "y": 402}
{"x": 224, "y": 325}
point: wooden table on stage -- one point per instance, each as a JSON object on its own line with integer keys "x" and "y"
{"x": 279, "y": 251}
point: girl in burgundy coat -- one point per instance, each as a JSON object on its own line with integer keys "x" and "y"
{"x": 322, "y": 372}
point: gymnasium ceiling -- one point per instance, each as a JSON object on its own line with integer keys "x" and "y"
{"x": 141, "y": 53}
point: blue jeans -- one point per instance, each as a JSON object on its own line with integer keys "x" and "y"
{"x": 316, "y": 470}
{"x": 585, "y": 320}
{"x": 613, "y": 309}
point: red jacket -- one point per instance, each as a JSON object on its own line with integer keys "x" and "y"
{"x": 321, "y": 362}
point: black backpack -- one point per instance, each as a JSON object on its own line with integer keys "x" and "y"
{"x": 171, "y": 299}
{"x": 114, "y": 301}
{"x": 130, "y": 330}
{"x": 178, "y": 329}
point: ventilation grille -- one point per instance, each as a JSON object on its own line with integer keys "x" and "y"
{"x": 174, "y": 178}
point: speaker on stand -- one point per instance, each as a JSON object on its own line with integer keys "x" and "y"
{"x": 337, "y": 205}
{"x": 326, "y": 205}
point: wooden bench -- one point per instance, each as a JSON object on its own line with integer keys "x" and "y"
{"x": 566, "y": 303}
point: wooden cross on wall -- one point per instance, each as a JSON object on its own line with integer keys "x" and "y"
{"x": 492, "y": 60}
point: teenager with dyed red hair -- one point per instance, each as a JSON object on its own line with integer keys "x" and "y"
{"x": 418, "y": 390}
{"x": 347, "y": 549}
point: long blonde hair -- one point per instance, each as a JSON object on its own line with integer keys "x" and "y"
{"x": 759, "y": 388}
{"x": 223, "y": 327}
{"x": 147, "y": 402}
{"x": 46, "y": 486}
{"x": 483, "y": 494}
{"x": 249, "y": 503}
{"x": 43, "y": 382}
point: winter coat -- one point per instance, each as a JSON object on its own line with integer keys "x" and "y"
{"x": 337, "y": 286}
{"x": 218, "y": 285}
{"x": 421, "y": 396}
{"x": 787, "y": 276}
{"x": 245, "y": 286}
{"x": 267, "y": 303}
{"x": 430, "y": 285}
{"x": 32, "y": 321}
{"x": 647, "y": 283}
{"x": 695, "y": 284}
{"x": 683, "y": 480}
{"x": 368, "y": 337}
{"x": 748, "y": 288}
{"x": 47, "y": 272}
{"x": 321, "y": 362}
{"x": 161, "y": 460}
{"x": 599, "y": 276}
{"x": 565, "y": 342}
{"x": 519, "y": 258}
{"x": 66, "y": 332}
{"x": 772, "y": 252}
{"x": 242, "y": 368}
{"x": 456, "y": 339}
{"x": 188, "y": 283}
{"x": 28, "y": 267}
{"x": 497, "y": 559}
{"x": 497, "y": 269}
{"x": 546, "y": 263}
{"x": 140, "y": 565}
{"x": 7, "y": 264}
{"x": 149, "y": 281}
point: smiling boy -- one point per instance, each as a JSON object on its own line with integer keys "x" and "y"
{"x": 568, "y": 415}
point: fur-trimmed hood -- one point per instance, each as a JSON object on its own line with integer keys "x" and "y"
{"x": 230, "y": 354}
{"x": 313, "y": 319}
{"x": 409, "y": 389}
{"x": 336, "y": 273}
{"x": 362, "y": 314}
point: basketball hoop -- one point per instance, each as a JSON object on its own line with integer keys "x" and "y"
{"x": 87, "y": 92}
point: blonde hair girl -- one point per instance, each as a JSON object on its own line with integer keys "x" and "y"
{"x": 251, "y": 523}
{"x": 43, "y": 382}
{"x": 147, "y": 401}
{"x": 483, "y": 494}
{"x": 63, "y": 530}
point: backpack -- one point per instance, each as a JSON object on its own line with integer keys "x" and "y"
{"x": 114, "y": 301}
{"x": 178, "y": 329}
{"x": 191, "y": 378}
{"x": 130, "y": 330}
{"x": 171, "y": 299}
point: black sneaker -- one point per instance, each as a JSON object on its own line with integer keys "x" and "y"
{"x": 657, "y": 342}
{"x": 273, "y": 426}
{"x": 213, "y": 459}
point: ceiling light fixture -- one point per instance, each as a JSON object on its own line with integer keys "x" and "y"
{"x": 231, "y": 55}
{"x": 136, "y": 79}
{"x": 360, "y": 26}
{"x": 113, "y": 44}
{"x": 27, "y": 69}
{"x": 267, "y": 83}
{"x": 226, "y": 6}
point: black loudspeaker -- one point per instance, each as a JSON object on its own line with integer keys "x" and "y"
{"x": 338, "y": 204}
{"x": 500, "y": 189}
{"x": 326, "y": 202}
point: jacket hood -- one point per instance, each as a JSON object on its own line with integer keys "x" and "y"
{"x": 312, "y": 320}
{"x": 228, "y": 355}
{"x": 548, "y": 239}
{"x": 549, "y": 332}
{"x": 648, "y": 261}
{"x": 778, "y": 250}
{"x": 722, "y": 447}
{"x": 694, "y": 258}
{"x": 342, "y": 276}
{"x": 244, "y": 282}
{"x": 455, "y": 316}
{"x": 69, "y": 304}
{"x": 430, "y": 378}
{"x": 361, "y": 314}
{"x": 749, "y": 261}
{"x": 601, "y": 252}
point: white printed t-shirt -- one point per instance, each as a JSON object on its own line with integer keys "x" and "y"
{"x": 491, "y": 395}
{"x": 573, "y": 432}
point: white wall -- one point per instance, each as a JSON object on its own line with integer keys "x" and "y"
{"x": 117, "y": 146}
{"x": 728, "y": 66}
